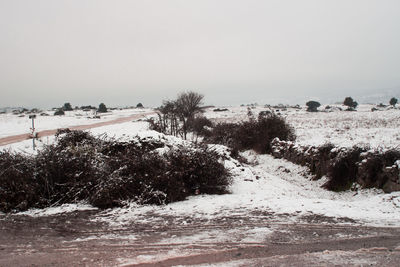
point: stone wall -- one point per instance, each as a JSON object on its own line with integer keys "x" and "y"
{"x": 373, "y": 168}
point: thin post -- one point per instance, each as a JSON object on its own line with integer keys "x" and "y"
{"x": 33, "y": 130}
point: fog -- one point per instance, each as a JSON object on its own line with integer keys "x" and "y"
{"x": 233, "y": 52}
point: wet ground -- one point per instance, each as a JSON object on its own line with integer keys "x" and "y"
{"x": 253, "y": 239}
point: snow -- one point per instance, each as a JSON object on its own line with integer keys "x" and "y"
{"x": 275, "y": 191}
{"x": 249, "y": 235}
{"x": 11, "y": 124}
{"x": 245, "y": 236}
{"x": 266, "y": 184}
{"x": 143, "y": 259}
{"x": 65, "y": 208}
{"x": 379, "y": 129}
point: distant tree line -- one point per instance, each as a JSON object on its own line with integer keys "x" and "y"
{"x": 68, "y": 107}
{"x": 312, "y": 106}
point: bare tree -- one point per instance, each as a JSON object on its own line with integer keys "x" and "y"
{"x": 174, "y": 116}
{"x": 188, "y": 105}
{"x": 169, "y": 117}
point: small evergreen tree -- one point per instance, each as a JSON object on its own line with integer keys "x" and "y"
{"x": 67, "y": 107}
{"x": 393, "y": 101}
{"x": 312, "y": 106}
{"x": 348, "y": 101}
{"x": 102, "y": 108}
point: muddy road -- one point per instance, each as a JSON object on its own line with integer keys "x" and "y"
{"x": 258, "y": 239}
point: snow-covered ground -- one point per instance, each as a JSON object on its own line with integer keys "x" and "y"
{"x": 378, "y": 129}
{"x": 274, "y": 185}
{"x": 11, "y": 124}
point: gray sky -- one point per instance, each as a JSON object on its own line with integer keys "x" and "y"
{"x": 125, "y": 52}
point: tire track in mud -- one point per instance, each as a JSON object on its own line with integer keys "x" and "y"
{"x": 173, "y": 240}
{"x": 21, "y": 137}
{"x": 265, "y": 250}
{"x": 277, "y": 243}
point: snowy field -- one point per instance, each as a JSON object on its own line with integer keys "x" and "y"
{"x": 267, "y": 184}
{"x": 378, "y": 129}
{"x": 11, "y": 124}
{"x": 271, "y": 200}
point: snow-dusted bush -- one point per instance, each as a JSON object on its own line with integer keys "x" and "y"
{"x": 67, "y": 138}
{"x": 59, "y": 112}
{"x": 200, "y": 125}
{"x": 67, "y": 173}
{"x": 199, "y": 170}
{"x": 18, "y": 188}
{"x": 107, "y": 173}
{"x": 151, "y": 178}
{"x": 255, "y": 134}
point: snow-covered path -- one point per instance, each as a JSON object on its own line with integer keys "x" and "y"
{"x": 278, "y": 187}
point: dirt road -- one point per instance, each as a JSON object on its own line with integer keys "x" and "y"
{"x": 21, "y": 137}
{"x": 79, "y": 239}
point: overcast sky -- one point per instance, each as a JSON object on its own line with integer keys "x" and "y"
{"x": 233, "y": 52}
